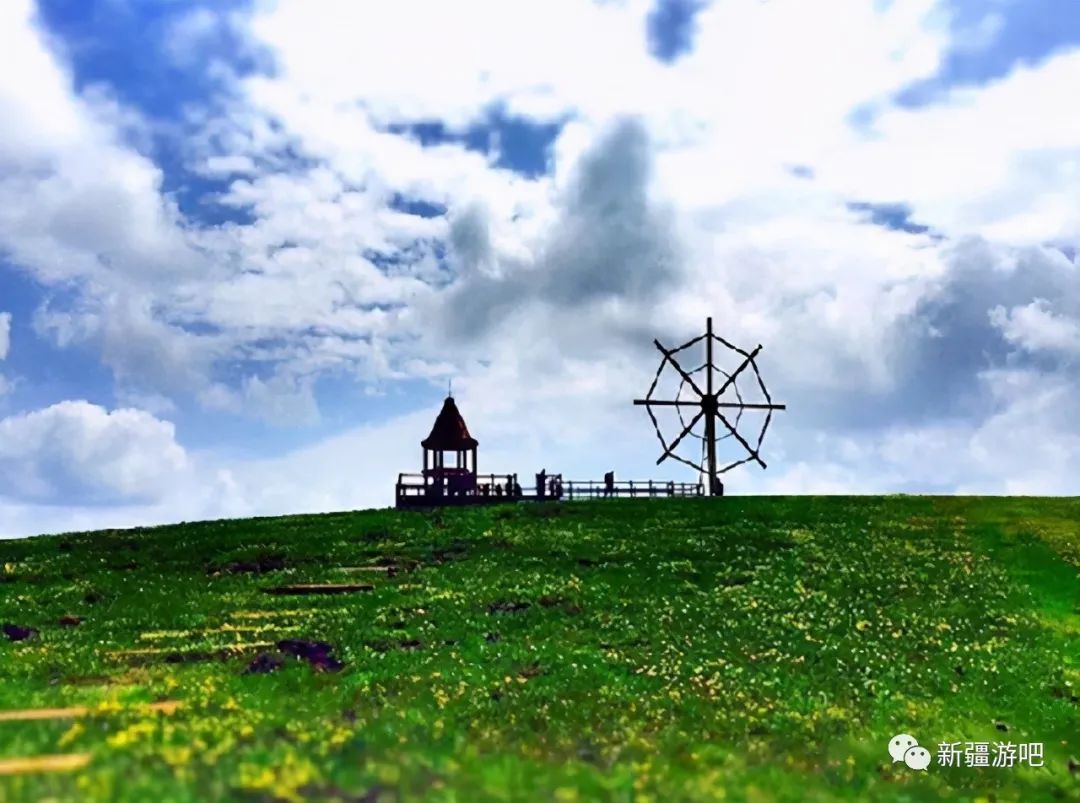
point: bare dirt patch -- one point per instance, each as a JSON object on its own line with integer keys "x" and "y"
{"x": 318, "y": 654}
{"x": 19, "y": 633}
{"x": 264, "y": 663}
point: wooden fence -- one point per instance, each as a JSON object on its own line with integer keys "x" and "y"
{"x": 415, "y": 490}
{"x": 594, "y": 489}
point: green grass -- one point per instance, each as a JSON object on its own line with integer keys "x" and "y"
{"x": 740, "y": 649}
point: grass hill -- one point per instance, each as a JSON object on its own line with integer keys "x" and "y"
{"x": 741, "y": 649}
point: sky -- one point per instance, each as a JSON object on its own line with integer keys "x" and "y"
{"x": 246, "y": 245}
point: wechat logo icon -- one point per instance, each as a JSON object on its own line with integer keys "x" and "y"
{"x": 904, "y": 747}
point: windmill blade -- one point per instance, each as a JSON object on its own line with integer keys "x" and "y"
{"x": 683, "y": 434}
{"x": 740, "y": 439}
{"x": 684, "y": 461}
{"x": 688, "y": 344}
{"x": 656, "y": 379}
{"x": 733, "y": 406}
{"x": 730, "y": 346}
{"x": 665, "y": 403}
{"x": 698, "y": 403}
{"x": 764, "y": 427}
{"x": 736, "y": 464}
{"x": 675, "y": 364}
{"x": 764, "y": 390}
{"x": 749, "y": 359}
{"x": 656, "y": 426}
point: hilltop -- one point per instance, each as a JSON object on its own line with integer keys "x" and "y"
{"x": 753, "y": 648}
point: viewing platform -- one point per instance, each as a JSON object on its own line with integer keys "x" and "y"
{"x": 449, "y": 476}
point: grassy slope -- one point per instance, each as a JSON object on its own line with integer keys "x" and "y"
{"x": 753, "y": 648}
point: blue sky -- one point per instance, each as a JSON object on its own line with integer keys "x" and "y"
{"x": 259, "y": 239}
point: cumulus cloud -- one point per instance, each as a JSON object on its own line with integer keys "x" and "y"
{"x": 78, "y": 453}
{"x": 609, "y": 241}
{"x": 76, "y": 202}
{"x": 904, "y": 354}
{"x": 162, "y": 301}
{"x": 1036, "y": 327}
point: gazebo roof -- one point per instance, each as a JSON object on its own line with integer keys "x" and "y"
{"x": 449, "y": 434}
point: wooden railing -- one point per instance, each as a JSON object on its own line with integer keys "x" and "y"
{"x": 592, "y": 489}
{"x": 485, "y": 486}
{"x": 420, "y": 484}
{"x": 491, "y": 487}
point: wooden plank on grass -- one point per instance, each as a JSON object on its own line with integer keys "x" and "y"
{"x": 62, "y": 762}
{"x": 270, "y": 614}
{"x": 75, "y": 711}
{"x": 163, "y": 635}
{"x": 320, "y": 588}
{"x": 172, "y": 655}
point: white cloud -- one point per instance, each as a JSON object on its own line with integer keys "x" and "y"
{"x": 775, "y": 258}
{"x": 284, "y": 400}
{"x": 1035, "y": 327}
{"x": 1000, "y": 160}
{"x": 76, "y": 452}
{"x": 301, "y": 256}
{"x": 222, "y": 166}
{"x": 556, "y": 278}
{"x": 75, "y": 201}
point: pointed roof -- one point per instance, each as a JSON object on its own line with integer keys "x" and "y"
{"x": 449, "y": 434}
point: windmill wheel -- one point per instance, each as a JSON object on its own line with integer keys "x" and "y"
{"x": 719, "y": 415}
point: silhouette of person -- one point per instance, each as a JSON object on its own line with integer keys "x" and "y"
{"x": 541, "y": 485}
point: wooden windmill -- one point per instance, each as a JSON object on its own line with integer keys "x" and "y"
{"x": 713, "y": 405}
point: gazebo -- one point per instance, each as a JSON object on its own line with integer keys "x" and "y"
{"x": 450, "y": 435}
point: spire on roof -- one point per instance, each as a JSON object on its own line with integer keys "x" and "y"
{"x": 449, "y": 434}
